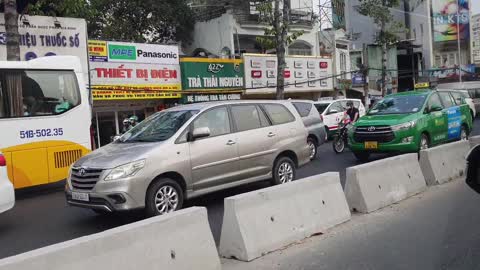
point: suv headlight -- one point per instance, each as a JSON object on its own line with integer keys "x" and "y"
{"x": 123, "y": 171}
{"x": 404, "y": 126}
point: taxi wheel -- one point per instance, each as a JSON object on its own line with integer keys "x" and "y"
{"x": 424, "y": 142}
{"x": 463, "y": 133}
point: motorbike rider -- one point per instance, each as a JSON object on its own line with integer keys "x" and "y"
{"x": 352, "y": 112}
{"x": 126, "y": 125}
{"x": 133, "y": 121}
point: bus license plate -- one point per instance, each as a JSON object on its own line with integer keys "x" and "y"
{"x": 80, "y": 196}
{"x": 371, "y": 145}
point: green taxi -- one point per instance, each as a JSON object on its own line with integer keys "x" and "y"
{"x": 410, "y": 121}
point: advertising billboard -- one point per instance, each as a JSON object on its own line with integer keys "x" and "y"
{"x": 46, "y": 36}
{"x": 122, "y": 71}
{"x": 302, "y": 74}
{"x": 211, "y": 79}
{"x": 451, "y": 20}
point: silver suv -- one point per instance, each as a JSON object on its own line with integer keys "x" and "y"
{"x": 317, "y": 133}
{"x": 188, "y": 151}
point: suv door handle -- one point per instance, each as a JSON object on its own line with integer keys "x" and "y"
{"x": 230, "y": 142}
{"x": 271, "y": 134}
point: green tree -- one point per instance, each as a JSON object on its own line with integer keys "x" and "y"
{"x": 379, "y": 11}
{"x": 277, "y": 34}
{"x": 158, "y": 21}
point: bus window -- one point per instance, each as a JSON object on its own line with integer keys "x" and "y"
{"x": 37, "y": 93}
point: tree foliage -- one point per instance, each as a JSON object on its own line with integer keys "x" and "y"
{"x": 158, "y": 21}
{"x": 379, "y": 11}
{"x": 267, "y": 17}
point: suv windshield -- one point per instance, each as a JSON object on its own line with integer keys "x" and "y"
{"x": 159, "y": 127}
{"x": 402, "y": 104}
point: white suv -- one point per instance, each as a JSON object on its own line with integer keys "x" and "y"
{"x": 332, "y": 111}
{"x": 7, "y": 194}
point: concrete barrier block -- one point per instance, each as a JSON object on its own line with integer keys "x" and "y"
{"x": 265, "y": 220}
{"x": 377, "y": 184}
{"x": 180, "y": 240}
{"x": 445, "y": 162}
{"x": 474, "y": 140}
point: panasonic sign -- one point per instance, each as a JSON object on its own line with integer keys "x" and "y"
{"x": 143, "y": 53}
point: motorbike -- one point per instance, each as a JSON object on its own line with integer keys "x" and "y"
{"x": 340, "y": 139}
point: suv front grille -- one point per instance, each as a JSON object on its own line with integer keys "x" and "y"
{"x": 380, "y": 134}
{"x": 85, "y": 178}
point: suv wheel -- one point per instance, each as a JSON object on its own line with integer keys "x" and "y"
{"x": 284, "y": 171}
{"x": 312, "y": 146}
{"x": 163, "y": 196}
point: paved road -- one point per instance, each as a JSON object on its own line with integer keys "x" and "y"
{"x": 435, "y": 230}
{"x": 41, "y": 217}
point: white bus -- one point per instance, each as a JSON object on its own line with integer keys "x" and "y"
{"x": 45, "y": 118}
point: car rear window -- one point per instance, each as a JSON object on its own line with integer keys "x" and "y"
{"x": 278, "y": 114}
{"x": 447, "y": 99}
{"x": 303, "y": 108}
{"x": 321, "y": 107}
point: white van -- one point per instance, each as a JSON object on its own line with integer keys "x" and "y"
{"x": 332, "y": 111}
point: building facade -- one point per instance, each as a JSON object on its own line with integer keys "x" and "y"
{"x": 475, "y": 39}
{"x": 230, "y": 28}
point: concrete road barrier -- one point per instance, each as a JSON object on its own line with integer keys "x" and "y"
{"x": 180, "y": 240}
{"x": 445, "y": 162}
{"x": 475, "y": 140}
{"x": 377, "y": 184}
{"x": 265, "y": 220}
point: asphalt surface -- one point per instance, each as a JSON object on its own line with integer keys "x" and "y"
{"x": 437, "y": 229}
{"x": 41, "y": 216}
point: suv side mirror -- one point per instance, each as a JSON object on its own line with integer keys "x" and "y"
{"x": 200, "y": 133}
{"x": 435, "y": 108}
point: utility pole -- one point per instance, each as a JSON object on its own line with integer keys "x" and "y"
{"x": 281, "y": 28}
{"x": 384, "y": 53}
{"x": 11, "y": 27}
{"x": 364, "y": 70}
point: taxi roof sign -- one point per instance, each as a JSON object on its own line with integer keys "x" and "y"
{"x": 422, "y": 85}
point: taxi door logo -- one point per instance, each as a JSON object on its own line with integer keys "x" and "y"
{"x": 122, "y": 52}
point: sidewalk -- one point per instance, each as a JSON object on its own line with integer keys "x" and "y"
{"x": 432, "y": 230}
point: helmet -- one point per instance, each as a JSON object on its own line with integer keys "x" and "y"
{"x": 350, "y": 103}
{"x": 126, "y": 121}
{"x": 134, "y": 118}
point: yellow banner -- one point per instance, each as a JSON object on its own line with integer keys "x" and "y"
{"x": 97, "y": 48}
{"x": 131, "y": 95}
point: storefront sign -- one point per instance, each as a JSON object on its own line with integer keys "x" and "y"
{"x": 126, "y": 71}
{"x": 142, "y": 53}
{"x": 193, "y": 98}
{"x": 447, "y": 24}
{"x": 97, "y": 51}
{"x": 211, "y": 74}
{"x": 301, "y": 74}
{"x": 47, "y": 36}
{"x": 106, "y": 94}
{"x": 452, "y": 74}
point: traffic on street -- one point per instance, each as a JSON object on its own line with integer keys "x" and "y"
{"x": 270, "y": 134}
{"x": 41, "y": 216}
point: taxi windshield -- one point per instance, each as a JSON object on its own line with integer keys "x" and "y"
{"x": 401, "y": 104}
